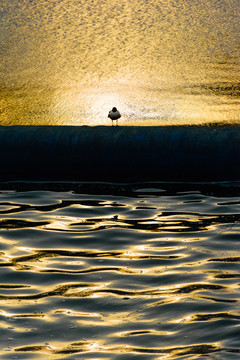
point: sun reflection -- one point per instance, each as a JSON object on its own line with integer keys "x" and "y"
{"x": 69, "y": 312}
{"x": 161, "y": 62}
{"x": 111, "y": 319}
{"x": 145, "y": 332}
{"x": 90, "y": 105}
{"x": 15, "y": 329}
{"x": 101, "y": 103}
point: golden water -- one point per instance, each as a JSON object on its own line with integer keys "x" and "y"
{"x": 158, "y": 61}
{"x": 137, "y": 272}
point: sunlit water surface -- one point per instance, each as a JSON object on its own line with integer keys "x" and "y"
{"x": 158, "y": 61}
{"x": 149, "y": 273}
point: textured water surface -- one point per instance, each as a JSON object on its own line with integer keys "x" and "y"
{"x": 69, "y": 62}
{"x": 144, "y": 273}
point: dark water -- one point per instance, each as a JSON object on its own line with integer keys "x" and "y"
{"x": 137, "y": 272}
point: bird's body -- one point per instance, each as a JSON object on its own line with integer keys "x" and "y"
{"x": 114, "y": 114}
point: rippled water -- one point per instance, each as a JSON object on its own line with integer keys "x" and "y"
{"x": 120, "y": 272}
{"x": 158, "y": 61}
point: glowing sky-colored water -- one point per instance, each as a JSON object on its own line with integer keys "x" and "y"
{"x": 158, "y": 61}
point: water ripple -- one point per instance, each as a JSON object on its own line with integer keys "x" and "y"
{"x": 150, "y": 275}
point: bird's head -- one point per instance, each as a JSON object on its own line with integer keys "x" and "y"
{"x": 114, "y": 109}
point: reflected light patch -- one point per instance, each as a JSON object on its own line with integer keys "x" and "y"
{"x": 111, "y": 319}
{"x": 145, "y": 332}
{"x": 89, "y": 106}
{"x": 69, "y": 312}
{"x": 102, "y": 103}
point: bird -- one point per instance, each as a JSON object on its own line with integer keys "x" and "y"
{"x": 114, "y": 114}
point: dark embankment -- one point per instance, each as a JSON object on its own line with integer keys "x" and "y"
{"x": 56, "y": 153}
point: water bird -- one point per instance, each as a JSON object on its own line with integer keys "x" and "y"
{"x": 114, "y": 114}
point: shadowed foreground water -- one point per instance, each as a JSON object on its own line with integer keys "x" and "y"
{"x": 134, "y": 273}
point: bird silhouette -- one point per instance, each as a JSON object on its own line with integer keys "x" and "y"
{"x": 114, "y": 114}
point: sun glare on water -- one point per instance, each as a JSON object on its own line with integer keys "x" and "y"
{"x": 101, "y": 104}
{"x": 89, "y": 106}
{"x": 167, "y": 62}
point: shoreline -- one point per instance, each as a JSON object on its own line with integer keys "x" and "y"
{"x": 136, "y": 124}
